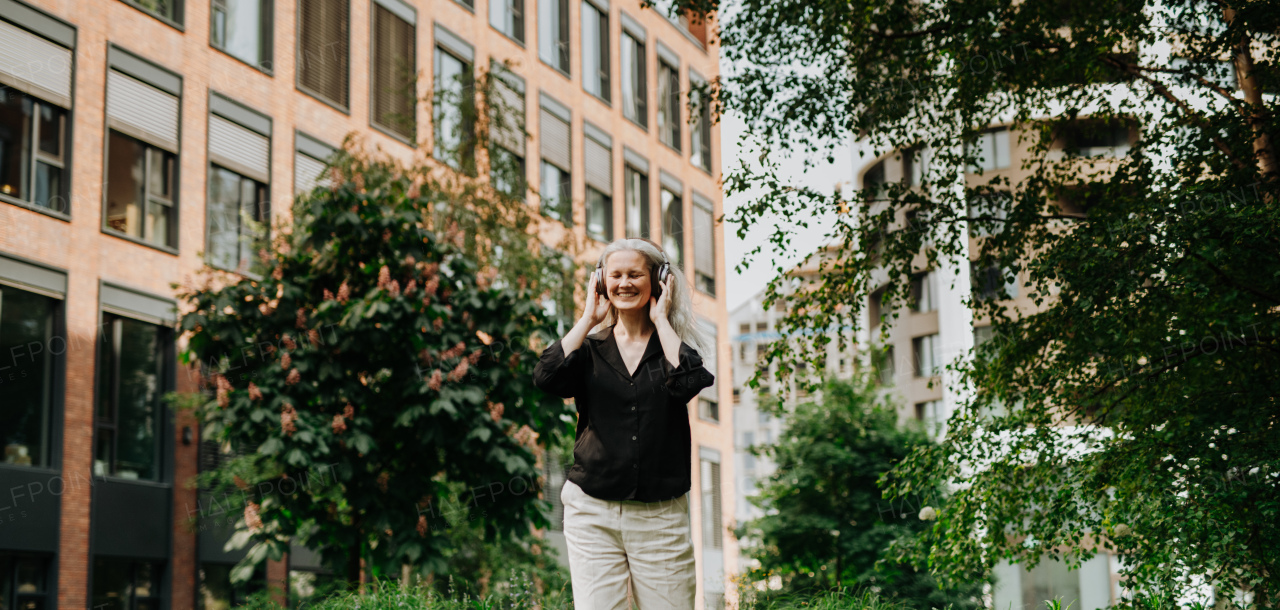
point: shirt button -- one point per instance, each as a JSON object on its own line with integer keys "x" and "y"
{"x": 636, "y": 466}
{"x": 633, "y": 438}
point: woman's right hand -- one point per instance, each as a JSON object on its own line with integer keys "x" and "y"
{"x": 596, "y": 307}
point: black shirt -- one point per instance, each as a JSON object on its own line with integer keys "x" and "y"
{"x": 633, "y": 439}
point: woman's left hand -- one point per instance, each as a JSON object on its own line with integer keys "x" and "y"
{"x": 658, "y": 308}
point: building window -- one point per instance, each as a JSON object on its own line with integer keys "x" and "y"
{"x": 323, "y": 54}
{"x": 595, "y": 51}
{"x": 217, "y": 592}
{"x": 708, "y": 409}
{"x": 1050, "y": 580}
{"x": 883, "y": 363}
{"x": 700, "y": 140}
{"x": 636, "y": 195}
{"x": 238, "y": 221}
{"x": 991, "y": 282}
{"x": 33, "y": 144}
{"x": 242, "y": 29}
{"x": 553, "y": 33}
{"x": 711, "y": 394}
{"x": 924, "y": 292}
{"x": 24, "y": 582}
{"x": 141, "y": 190}
{"x": 26, "y": 357}
{"x": 506, "y": 111}
{"x": 599, "y": 215}
{"x": 927, "y": 355}
{"x": 167, "y": 10}
{"x": 991, "y": 149}
{"x": 124, "y": 584}
{"x": 506, "y": 172}
{"x": 673, "y": 227}
{"x": 1097, "y": 137}
{"x": 988, "y": 211}
{"x": 762, "y": 326}
{"x": 930, "y": 414}
{"x": 556, "y": 196}
{"x": 634, "y": 90}
{"x": 507, "y": 16}
{"x": 712, "y": 536}
{"x": 132, "y": 381}
{"x": 669, "y": 105}
{"x": 704, "y": 246}
{"x": 395, "y": 69}
{"x": 454, "y": 101}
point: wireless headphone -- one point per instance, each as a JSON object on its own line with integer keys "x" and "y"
{"x": 664, "y": 270}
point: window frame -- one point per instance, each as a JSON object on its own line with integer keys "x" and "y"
{"x": 176, "y": 22}
{"x": 266, "y": 36}
{"x": 468, "y": 127}
{"x": 677, "y": 197}
{"x": 930, "y": 341}
{"x": 374, "y": 121}
{"x": 605, "y": 74}
{"x": 607, "y": 236}
{"x": 565, "y": 198}
{"x": 52, "y": 440}
{"x": 646, "y": 206}
{"x": 700, "y": 126}
{"x": 166, "y": 364}
{"x": 263, "y": 206}
{"x": 519, "y": 16}
{"x": 562, "y": 44}
{"x": 35, "y": 157}
{"x": 701, "y": 281}
{"x": 174, "y": 204}
{"x": 297, "y": 53}
{"x": 48, "y": 577}
{"x": 673, "y": 127}
{"x": 158, "y": 573}
{"x": 640, "y": 78}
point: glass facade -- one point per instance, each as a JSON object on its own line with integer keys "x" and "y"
{"x": 27, "y": 348}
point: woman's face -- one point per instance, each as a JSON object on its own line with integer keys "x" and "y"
{"x": 626, "y": 277}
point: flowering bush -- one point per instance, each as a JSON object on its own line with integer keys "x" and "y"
{"x": 371, "y": 367}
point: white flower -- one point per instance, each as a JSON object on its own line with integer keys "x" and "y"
{"x": 928, "y": 514}
{"x": 1212, "y": 446}
{"x": 1253, "y": 470}
{"x": 1120, "y": 531}
{"x": 1142, "y": 361}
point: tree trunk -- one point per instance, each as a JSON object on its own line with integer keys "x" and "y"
{"x": 1242, "y": 59}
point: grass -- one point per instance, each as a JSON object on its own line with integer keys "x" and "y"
{"x": 522, "y": 595}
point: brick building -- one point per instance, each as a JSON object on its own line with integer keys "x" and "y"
{"x": 143, "y": 139}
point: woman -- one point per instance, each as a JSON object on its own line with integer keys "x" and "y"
{"x": 626, "y": 503}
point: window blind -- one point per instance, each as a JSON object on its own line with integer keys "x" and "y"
{"x": 555, "y": 139}
{"x": 704, "y": 261}
{"x": 34, "y": 65}
{"x": 509, "y": 132}
{"x": 394, "y": 72}
{"x": 323, "y": 54}
{"x": 597, "y": 154}
{"x": 239, "y": 149}
{"x": 142, "y": 111}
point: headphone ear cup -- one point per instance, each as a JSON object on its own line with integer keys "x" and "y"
{"x": 600, "y": 289}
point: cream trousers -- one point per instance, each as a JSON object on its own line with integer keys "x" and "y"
{"x": 620, "y": 550}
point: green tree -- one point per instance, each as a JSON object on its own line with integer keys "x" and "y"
{"x": 1142, "y": 390}
{"x": 827, "y": 524}
{"x": 379, "y": 372}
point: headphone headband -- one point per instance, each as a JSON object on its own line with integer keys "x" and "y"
{"x": 600, "y": 263}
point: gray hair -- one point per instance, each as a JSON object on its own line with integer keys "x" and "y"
{"x": 680, "y": 312}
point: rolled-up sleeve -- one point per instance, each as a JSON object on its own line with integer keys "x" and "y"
{"x": 558, "y": 374}
{"x": 683, "y": 382}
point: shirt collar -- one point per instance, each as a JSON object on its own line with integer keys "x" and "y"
{"x": 608, "y": 346}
